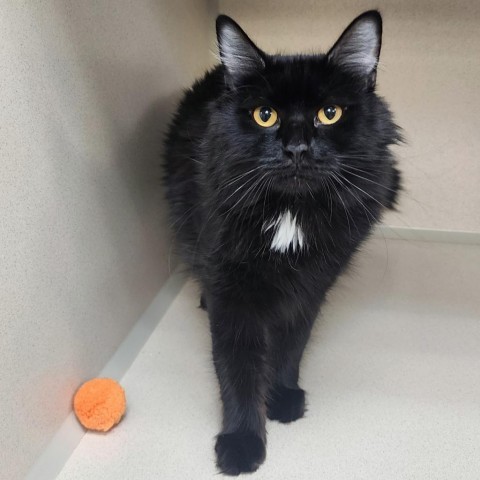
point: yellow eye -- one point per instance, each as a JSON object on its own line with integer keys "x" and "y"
{"x": 265, "y": 116}
{"x": 329, "y": 114}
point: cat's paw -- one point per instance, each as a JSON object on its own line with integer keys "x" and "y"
{"x": 286, "y": 404}
{"x": 239, "y": 452}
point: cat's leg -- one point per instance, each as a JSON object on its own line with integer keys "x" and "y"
{"x": 239, "y": 353}
{"x": 286, "y": 400}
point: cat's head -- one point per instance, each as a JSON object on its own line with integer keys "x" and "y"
{"x": 297, "y": 123}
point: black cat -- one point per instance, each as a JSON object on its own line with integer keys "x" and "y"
{"x": 277, "y": 169}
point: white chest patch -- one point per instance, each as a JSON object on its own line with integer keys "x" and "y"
{"x": 287, "y": 233}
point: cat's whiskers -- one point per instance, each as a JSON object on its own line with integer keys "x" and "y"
{"x": 256, "y": 199}
{"x": 237, "y": 178}
{"x": 352, "y": 155}
{"x": 347, "y": 214}
{"x": 310, "y": 190}
{"x": 224, "y": 202}
{"x": 267, "y": 192}
{"x": 264, "y": 188}
{"x": 326, "y": 188}
{"x": 195, "y": 160}
{"x": 405, "y": 192}
{"x": 249, "y": 190}
{"x": 369, "y": 213}
{"x": 347, "y": 169}
{"x": 215, "y": 210}
{"x": 366, "y": 193}
{"x": 335, "y": 178}
{"x": 373, "y": 217}
{"x": 254, "y": 191}
{"x": 381, "y": 204}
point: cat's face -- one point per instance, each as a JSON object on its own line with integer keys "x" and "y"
{"x": 298, "y": 124}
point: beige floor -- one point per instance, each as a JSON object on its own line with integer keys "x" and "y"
{"x": 392, "y": 375}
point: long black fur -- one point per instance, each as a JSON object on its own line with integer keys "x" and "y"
{"x": 227, "y": 178}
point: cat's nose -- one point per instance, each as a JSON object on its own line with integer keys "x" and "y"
{"x": 296, "y": 140}
{"x": 297, "y": 148}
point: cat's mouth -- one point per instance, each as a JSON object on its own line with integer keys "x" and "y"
{"x": 301, "y": 180}
{"x": 305, "y": 172}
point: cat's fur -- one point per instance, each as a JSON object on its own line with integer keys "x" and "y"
{"x": 267, "y": 218}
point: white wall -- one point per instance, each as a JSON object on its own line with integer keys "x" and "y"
{"x": 430, "y": 71}
{"x": 86, "y": 88}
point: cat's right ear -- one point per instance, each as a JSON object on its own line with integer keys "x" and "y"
{"x": 240, "y": 56}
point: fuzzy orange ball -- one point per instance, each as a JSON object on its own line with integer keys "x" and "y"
{"x": 99, "y": 404}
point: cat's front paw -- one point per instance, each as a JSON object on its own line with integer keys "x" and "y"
{"x": 286, "y": 404}
{"x": 239, "y": 452}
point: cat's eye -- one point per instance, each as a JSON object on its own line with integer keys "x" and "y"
{"x": 265, "y": 116}
{"x": 329, "y": 114}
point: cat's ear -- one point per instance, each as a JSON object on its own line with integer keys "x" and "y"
{"x": 238, "y": 53}
{"x": 358, "y": 48}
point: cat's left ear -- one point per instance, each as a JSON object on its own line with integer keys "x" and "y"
{"x": 358, "y": 48}
{"x": 240, "y": 56}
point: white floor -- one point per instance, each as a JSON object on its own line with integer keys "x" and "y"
{"x": 392, "y": 375}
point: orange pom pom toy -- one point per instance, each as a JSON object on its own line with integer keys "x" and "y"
{"x": 99, "y": 404}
